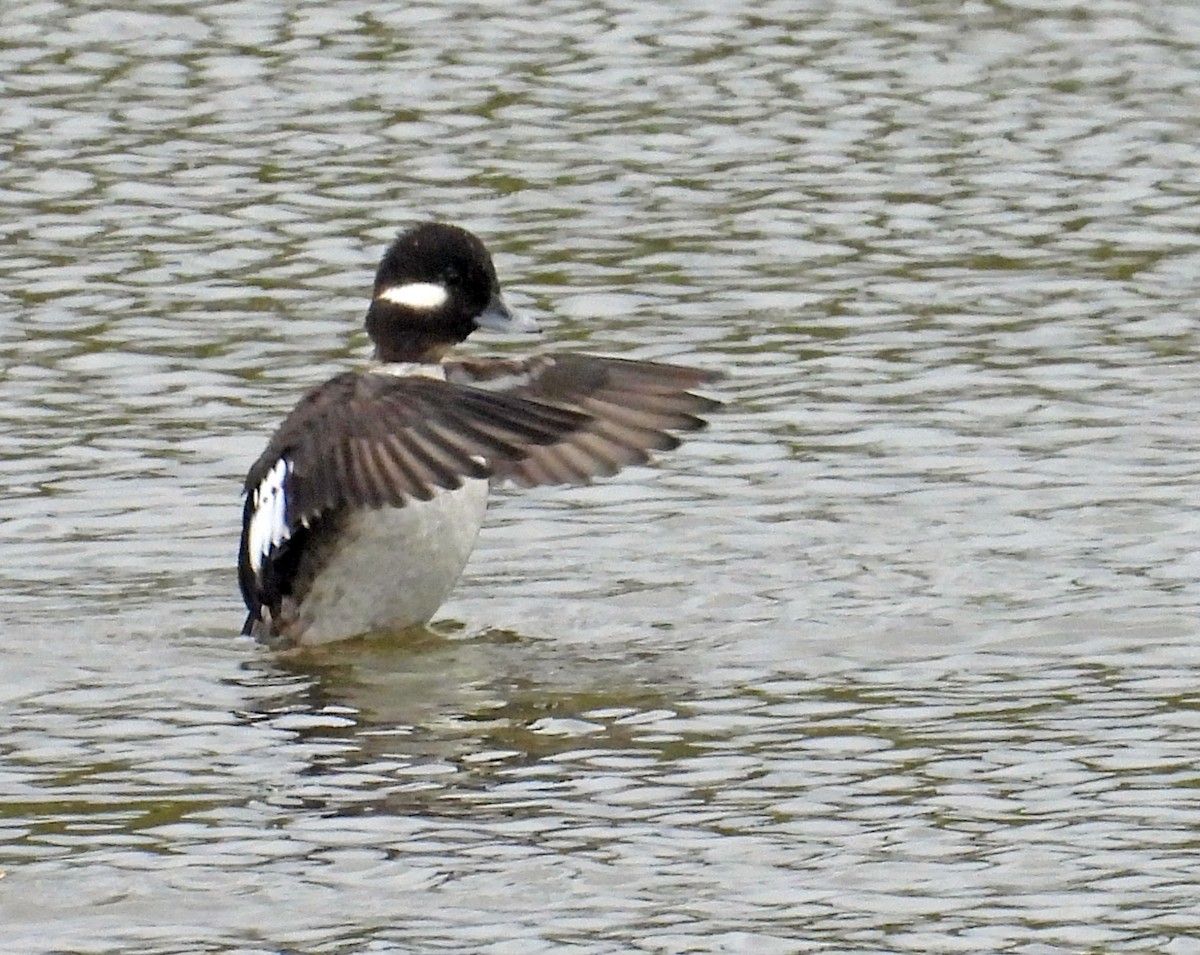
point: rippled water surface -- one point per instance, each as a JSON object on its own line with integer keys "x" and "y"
{"x": 899, "y": 656}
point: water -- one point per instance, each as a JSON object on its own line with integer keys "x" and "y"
{"x": 899, "y": 656}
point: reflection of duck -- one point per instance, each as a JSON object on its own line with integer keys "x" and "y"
{"x": 362, "y": 511}
{"x": 396, "y": 726}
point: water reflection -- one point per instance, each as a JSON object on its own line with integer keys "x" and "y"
{"x": 459, "y": 774}
{"x": 448, "y": 705}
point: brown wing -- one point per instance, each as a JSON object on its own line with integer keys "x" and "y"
{"x": 631, "y": 406}
{"x": 370, "y": 440}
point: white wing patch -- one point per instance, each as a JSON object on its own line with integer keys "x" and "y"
{"x": 268, "y": 523}
{"x": 421, "y": 295}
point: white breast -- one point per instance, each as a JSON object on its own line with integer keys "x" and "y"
{"x": 393, "y": 567}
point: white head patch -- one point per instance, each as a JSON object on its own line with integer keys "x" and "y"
{"x": 268, "y": 521}
{"x": 419, "y": 295}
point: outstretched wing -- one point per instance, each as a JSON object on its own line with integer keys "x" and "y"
{"x": 375, "y": 440}
{"x": 632, "y": 408}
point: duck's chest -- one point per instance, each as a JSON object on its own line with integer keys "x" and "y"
{"x": 390, "y": 568}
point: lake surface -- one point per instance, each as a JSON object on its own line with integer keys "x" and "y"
{"x": 901, "y": 655}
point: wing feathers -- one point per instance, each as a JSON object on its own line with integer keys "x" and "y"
{"x": 370, "y": 440}
{"x": 405, "y": 472}
{"x": 367, "y": 440}
{"x": 632, "y": 407}
{"x": 438, "y": 462}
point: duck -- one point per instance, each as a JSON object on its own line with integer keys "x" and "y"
{"x": 363, "y": 509}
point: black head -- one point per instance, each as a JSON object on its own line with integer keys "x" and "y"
{"x": 435, "y": 285}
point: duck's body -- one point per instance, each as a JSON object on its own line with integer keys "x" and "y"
{"x": 381, "y": 569}
{"x": 362, "y": 512}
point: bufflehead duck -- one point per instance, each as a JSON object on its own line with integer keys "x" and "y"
{"x": 363, "y": 509}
